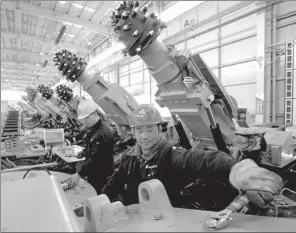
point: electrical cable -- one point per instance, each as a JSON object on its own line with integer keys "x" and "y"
{"x": 44, "y": 169}
{"x": 255, "y": 143}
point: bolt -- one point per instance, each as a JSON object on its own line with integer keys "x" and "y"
{"x": 117, "y": 28}
{"x": 151, "y": 33}
{"x": 158, "y": 215}
{"x": 143, "y": 19}
{"x": 145, "y": 9}
{"x": 124, "y": 15}
{"x": 131, "y": 4}
{"x": 125, "y": 27}
{"x": 135, "y": 34}
{"x": 211, "y": 98}
{"x": 152, "y": 15}
{"x": 138, "y": 50}
{"x": 134, "y": 14}
{"x": 117, "y": 15}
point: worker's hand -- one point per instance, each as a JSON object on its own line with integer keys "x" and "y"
{"x": 72, "y": 180}
{"x": 189, "y": 82}
{"x": 259, "y": 184}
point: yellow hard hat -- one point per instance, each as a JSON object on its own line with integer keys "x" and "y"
{"x": 86, "y": 107}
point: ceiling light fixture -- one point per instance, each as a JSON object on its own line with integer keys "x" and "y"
{"x": 77, "y": 5}
{"x": 90, "y": 9}
{"x": 41, "y": 54}
{"x": 73, "y": 24}
{"x": 60, "y": 34}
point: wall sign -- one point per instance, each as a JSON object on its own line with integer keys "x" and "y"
{"x": 189, "y": 20}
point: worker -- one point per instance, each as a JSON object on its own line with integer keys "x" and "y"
{"x": 154, "y": 158}
{"x": 98, "y": 150}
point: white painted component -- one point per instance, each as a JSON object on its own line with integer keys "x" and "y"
{"x": 154, "y": 213}
{"x": 37, "y": 204}
{"x": 261, "y": 61}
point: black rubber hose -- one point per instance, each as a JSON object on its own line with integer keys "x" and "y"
{"x": 36, "y": 169}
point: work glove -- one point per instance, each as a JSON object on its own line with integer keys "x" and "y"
{"x": 72, "y": 180}
{"x": 259, "y": 184}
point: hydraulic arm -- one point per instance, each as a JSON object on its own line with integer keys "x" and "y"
{"x": 116, "y": 102}
{"x": 203, "y": 107}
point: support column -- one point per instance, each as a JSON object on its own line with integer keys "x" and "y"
{"x": 294, "y": 86}
{"x": 261, "y": 45}
{"x": 267, "y": 104}
{"x": 219, "y": 44}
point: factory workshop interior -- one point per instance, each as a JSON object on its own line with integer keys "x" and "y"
{"x": 155, "y": 116}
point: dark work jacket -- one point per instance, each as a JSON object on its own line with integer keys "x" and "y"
{"x": 99, "y": 164}
{"x": 174, "y": 167}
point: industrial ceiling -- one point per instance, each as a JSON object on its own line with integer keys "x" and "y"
{"x": 32, "y": 31}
